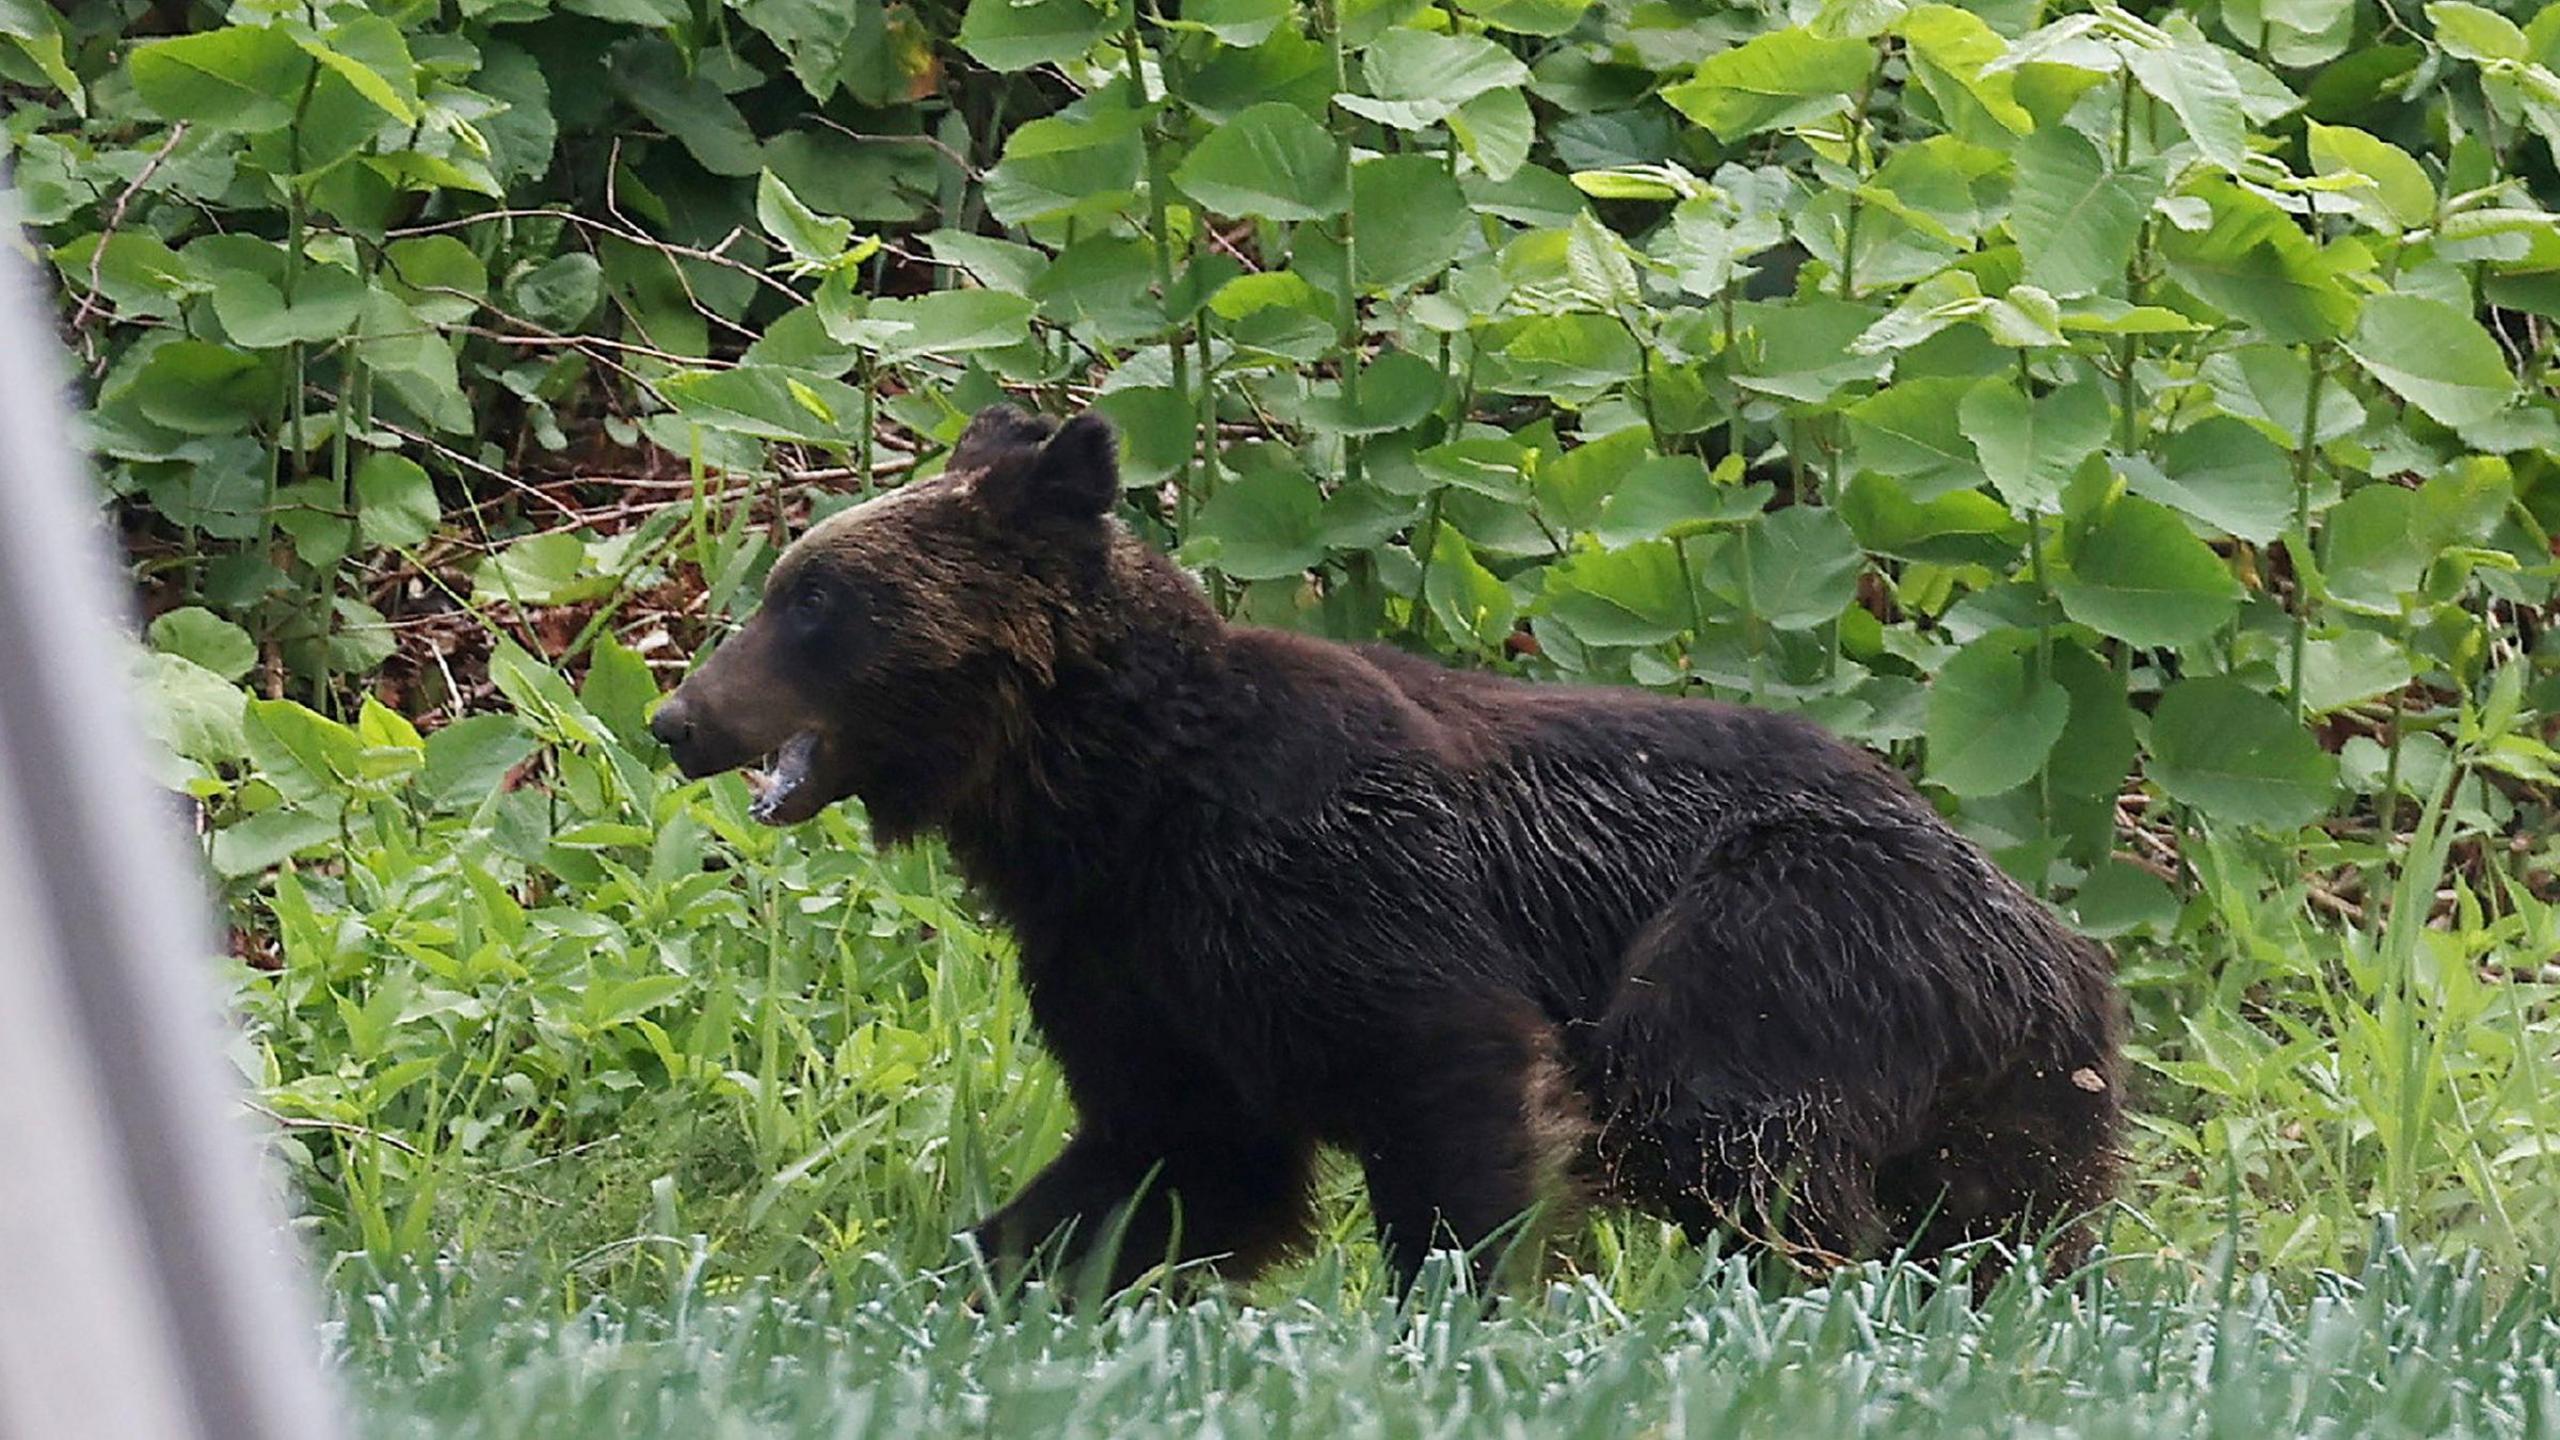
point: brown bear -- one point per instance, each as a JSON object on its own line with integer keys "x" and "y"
{"x": 1274, "y": 893}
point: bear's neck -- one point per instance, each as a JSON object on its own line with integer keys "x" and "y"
{"x": 1093, "y": 762}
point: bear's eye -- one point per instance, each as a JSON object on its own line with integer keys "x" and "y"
{"x": 811, "y": 603}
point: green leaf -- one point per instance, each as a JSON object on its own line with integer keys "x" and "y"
{"x": 1010, "y": 35}
{"x": 2238, "y": 756}
{"x": 2029, "y": 448}
{"x": 1913, "y": 431}
{"x": 2355, "y": 665}
{"x": 396, "y": 503}
{"x": 1410, "y": 217}
{"x": 1496, "y": 130}
{"x": 2433, "y": 356}
{"x": 1270, "y": 163}
{"x": 652, "y": 78}
{"x": 558, "y": 293}
{"x": 1266, "y": 522}
{"x": 197, "y": 634}
{"x": 543, "y": 569}
{"x": 2255, "y": 264}
{"x": 2194, "y": 82}
{"x": 1397, "y": 388}
{"x": 1780, "y": 79}
{"x": 1633, "y": 596}
{"x": 192, "y": 711}
{"x": 242, "y": 78}
{"x": 2097, "y": 745}
{"x": 372, "y": 56}
{"x": 1992, "y": 719}
{"x": 1469, "y": 601}
{"x": 950, "y": 322}
{"x": 1803, "y": 566}
{"x": 253, "y": 310}
{"x": 765, "y": 401}
{"x": 1528, "y": 17}
{"x": 2137, "y": 574}
{"x": 2469, "y": 32}
{"x": 2402, "y": 195}
{"x": 1418, "y": 79}
{"x": 2225, "y": 473}
{"x": 2076, "y": 221}
{"x": 1242, "y": 24}
{"x": 804, "y": 232}
{"x": 1672, "y": 497}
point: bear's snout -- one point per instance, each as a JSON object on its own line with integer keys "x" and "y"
{"x": 674, "y": 727}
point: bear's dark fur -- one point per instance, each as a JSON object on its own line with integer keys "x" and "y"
{"x": 1274, "y": 893}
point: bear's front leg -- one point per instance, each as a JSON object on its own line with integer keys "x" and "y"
{"x": 1237, "y": 1202}
{"x": 1475, "y": 1118}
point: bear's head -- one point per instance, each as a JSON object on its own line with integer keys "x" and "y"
{"x": 899, "y": 641}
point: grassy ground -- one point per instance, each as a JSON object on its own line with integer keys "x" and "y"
{"x": 2141, "y": 1348}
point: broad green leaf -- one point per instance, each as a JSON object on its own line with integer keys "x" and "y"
{"x": 2238, "y": 756}
{"x": 765, "y": 401}
{"x": 2355, "y": 665}
{"x": 2030, "y": 447}
{"x": 1779, "y": 79}
{"x": 1573, "y": 490}
{"x": 1527, "y": 17}
{"x": 2470, "y": 32}
{"x": 2255, "y": 264}
{"x": 198, "y": 635}
{"x": 1013, "y": 35}
{"x": 2097, "y": 745}
{"x": 2225, "y": 473}
{"x": 240, "y": 78}
{"x": 1495, "y": 129}
{"x": 686, "y": 104}
{"x": 2137, "y": 574}
{"x": 1272, "y": 162}
{"x": 2433, "y": 356}
{"x": 1992, "y": 718}
{"x": 1671, "y": 497}
{"x": 1913, "y": 432}
{"x": 1056, "y": 167}
{"x": 1266, "y": 522}
{"x": 254, "y": 312}
{"x": 439, "y": 276}
{"x": 2402, "y": 194}
{"x": 1240, "y": 23}
{"x": 2191, "y": 79}
{"x": 396, "y": 503}
{"x": 2271, "y": 385}
{"x": 207, "y": 389}
{"x": 191, "y": 710}
{"x": 556, "y": 568}
{"x": 1951, "y": 527}
{"x": 372, "y": 56}
{"x": 2076, "y": 221}
{"x": 949, "y": 322}
{"x": 1950, "y": 49}
{"x": 1397, "y": 388}
{"x": 559, "y": 292}
{"x": 1469, "y": 601}
{"x": 1410, "y": 218}
{"x": 1632, "y": 596}
{"x": 2373, "y": 553}
{"x": 804, "y": 232}
{"x": 1417, "y": 79}
{"x": 1802, "y": 567}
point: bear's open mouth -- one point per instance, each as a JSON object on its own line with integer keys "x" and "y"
{"x": 786, "y": 789}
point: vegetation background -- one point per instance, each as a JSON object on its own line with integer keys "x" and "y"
{"x": 2134, "y": 420}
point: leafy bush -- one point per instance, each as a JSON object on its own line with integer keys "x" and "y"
{"x": 2138, "y": 422}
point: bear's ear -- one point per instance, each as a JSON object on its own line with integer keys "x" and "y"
{"x": 1074, "y": 476}
{"x": 995, "y": 432}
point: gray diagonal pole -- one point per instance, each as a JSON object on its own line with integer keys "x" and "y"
{"x": 148, "y": 1290}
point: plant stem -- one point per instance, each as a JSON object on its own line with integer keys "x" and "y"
{"x": 1347, "y": 322}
